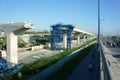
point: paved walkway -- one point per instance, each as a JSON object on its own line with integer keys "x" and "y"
{"x": 30, "y": 56}
{"x": 82, "y": 72}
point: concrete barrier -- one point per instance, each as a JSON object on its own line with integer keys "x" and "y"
{"x": 109, "y": 69}
{"x": 37, "y": 47}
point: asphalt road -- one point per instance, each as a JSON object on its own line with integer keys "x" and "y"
{"x": 82, "y": 71}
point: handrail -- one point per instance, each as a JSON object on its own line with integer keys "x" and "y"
{"x": 106, "y": 71}
{"x": 105, "y": 67}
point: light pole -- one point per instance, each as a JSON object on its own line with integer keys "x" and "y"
{"x": 99, "y": 26}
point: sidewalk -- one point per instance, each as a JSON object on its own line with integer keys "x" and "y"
{"x": 82, "y": 72}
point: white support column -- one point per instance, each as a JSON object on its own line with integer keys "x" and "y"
{"x": 12, "y": 30}
{"x": 84, "y": 38}
{"x": 12, "y": 55}
{"x": 65, "y": 41}
{"x": 78, "y": 39}
{"x": 89, "y": 37}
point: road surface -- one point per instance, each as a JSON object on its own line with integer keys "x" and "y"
{"x": 82, "y": 72}
{"x": 30, "y": 56}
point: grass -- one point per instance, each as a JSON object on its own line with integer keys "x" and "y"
{"x": 41, "y": 64}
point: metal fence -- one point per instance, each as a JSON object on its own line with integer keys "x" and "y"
{"x": 106, "y": 73}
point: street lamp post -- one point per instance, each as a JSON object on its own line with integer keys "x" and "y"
{"x": 99, "y": 26}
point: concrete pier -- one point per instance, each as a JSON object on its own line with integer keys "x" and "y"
{"x": 65, "y": 41}
{"x": 12, "y": 30}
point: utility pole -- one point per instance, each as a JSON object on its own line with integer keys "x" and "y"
{"x": 117, "y": 33}
{"x": 99, "y": 26}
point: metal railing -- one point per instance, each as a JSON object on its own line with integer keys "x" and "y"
{"x": 107, "y": 65}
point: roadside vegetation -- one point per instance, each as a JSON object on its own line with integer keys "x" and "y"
{"x": 38, "y": 40}
{"x": 38, "y": 32}
{"x": 35, "y": 40}
{"x": 2, "y": 43}
{"x": 21, "y": 43}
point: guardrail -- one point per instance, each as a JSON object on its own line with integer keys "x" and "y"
{"x": 105, "y": 70}
{"x": 107, "y": 64}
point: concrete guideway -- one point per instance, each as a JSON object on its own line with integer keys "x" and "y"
{"x": 83, "y": 32}
{"x": 61, "y": 36}
{"x": 82, "y": 72}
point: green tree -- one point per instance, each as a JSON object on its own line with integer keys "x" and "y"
{"x": 21, "y": 43}
{"x": 45, "y": 31}
{"x": 37, "y": 40}
{"x": 3, "y": 43}
{"x": 30, "y": 32}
